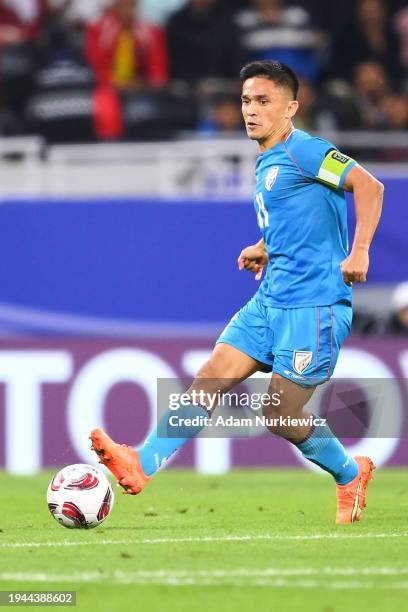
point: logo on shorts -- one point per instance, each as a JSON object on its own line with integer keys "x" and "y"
{"x": 301, "y": 360}
{"x": 271, "y": 177}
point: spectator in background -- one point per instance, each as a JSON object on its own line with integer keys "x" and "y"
{"x": 271, "y": 30}
{"x": 31, "y": 14}
{"x": 236, "y": 5}
{"x": 203, "y": 42}
{"x": 371, "y": 87}
{"x": 401, "y": 25}
{"x": 80, "y": 12}
{"x": 225, "y": 116}
{"x": 324, "y": 15}
{"x": 395, "y": 110}
{"x": 368, "y": 35}
{"x": 12, "y": 30}
{"x": 124, "y": 51}
{"x": 398, "y": 322}
{"x": 314, "y": 113}
{"x": 18, "y": 65}
{"x": 158, "y": 11}
{"x": 65, "y": 26}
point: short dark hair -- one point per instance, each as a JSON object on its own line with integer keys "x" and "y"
{"x": 273, "y": 70}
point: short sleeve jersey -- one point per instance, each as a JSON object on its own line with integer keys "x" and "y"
{"x": 301, "y": 210}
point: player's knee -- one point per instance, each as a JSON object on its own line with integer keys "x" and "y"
{"x": 211, "y": 370}
{"x": 222, "y": 364}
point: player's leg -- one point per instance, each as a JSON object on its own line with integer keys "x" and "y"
{"x": 235, "y": 357}
{"x": 318, "y": 334}
{"x": 317, "y": 444}
{"x": 226, "y": 367}
{"x": 320, "y": 446}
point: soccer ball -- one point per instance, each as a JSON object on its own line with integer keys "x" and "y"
{"x": 80, "y": 496}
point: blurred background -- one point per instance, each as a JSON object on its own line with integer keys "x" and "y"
{"x": 126, "y": 182}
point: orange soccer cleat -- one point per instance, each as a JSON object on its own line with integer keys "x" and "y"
{"x": 351, "y": 498}
{"x": 122, "y": 460}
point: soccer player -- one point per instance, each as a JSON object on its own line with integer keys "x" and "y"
{"x": 298, "y": 319}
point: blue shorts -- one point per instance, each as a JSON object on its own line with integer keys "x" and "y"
{"x": 301, "y": 344}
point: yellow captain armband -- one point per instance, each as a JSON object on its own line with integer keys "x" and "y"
{"x": 333, "y": 167}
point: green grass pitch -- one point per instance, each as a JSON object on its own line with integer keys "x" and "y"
{"x": 260, "y": 539}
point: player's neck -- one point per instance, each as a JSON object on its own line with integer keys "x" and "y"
{"x": 281, "y": 135}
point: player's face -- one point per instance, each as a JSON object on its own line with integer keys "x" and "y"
{"x": 267, "y": 108}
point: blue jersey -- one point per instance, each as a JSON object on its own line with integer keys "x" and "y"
{"x": 301, "y": 211}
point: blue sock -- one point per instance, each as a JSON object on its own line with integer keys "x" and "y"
{"x": 324, "y": 449}
{"x": 168, "y": 436}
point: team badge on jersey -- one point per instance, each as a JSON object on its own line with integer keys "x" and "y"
{"x": 301, "y": 360}
{"x": 271, "y": 177}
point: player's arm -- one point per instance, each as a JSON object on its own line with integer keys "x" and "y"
{"x": 254, "y": 258}
{"x": 368, "y": 197}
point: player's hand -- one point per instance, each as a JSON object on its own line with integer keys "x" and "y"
{"x": 355, "y": 267}
{"x": 254, "y": 259}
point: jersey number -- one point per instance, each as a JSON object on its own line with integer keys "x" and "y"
{"x": 263, "y": 216}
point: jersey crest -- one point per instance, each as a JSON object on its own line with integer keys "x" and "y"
{"x": 271, "y": 177}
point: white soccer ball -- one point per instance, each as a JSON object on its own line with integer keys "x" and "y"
{"x": 80, "y": 496}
